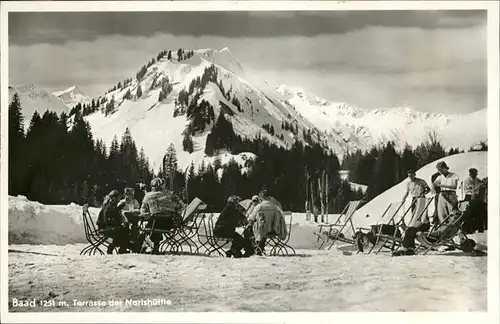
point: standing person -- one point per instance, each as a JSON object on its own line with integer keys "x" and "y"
{"x": 415, "y": 187}
{"x": 161, "y": 202}
{"x": 447, "y": 182}
{"x": 436, "y": 191}
{"x": 229, "y": 219}
{"x": 308, "y": 212}
{"x": 110, "y": 216}
{"x": 476, "y": 216}
{"x": 472, "y": 185}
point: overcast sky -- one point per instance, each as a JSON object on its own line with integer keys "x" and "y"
{"x": 428, "y": 60}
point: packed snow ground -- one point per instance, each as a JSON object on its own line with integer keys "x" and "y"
{"x": 312, "y": 281}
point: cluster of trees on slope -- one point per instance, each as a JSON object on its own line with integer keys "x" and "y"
{"x": 74, "y": 167}
{"x": 383, "y": 166}
{"x": 56, "y": 164}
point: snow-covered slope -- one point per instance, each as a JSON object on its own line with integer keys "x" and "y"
{"x": 35, "y": 99}
{"x": 400, "y": 124}
{"x": 459, "y": 163}
{"x": 154, "y": 127}
{"x": 71, "y": 96}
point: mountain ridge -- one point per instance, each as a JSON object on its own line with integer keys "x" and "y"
{"x": 181, "y": 94}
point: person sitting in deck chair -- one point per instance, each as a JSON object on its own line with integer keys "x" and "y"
{"x": 267, "y": 219}
{"x": 160, "y": 201}
{"x": 229, "y": 219}
{"x": 111, "y": 217}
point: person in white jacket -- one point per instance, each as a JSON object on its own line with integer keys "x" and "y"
{"x": 267, "y": 219}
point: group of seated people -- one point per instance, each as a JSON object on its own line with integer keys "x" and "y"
{"x": 446, "y": 205}
{"x": 263, "y": 217}
{"x": 122, "y": 217}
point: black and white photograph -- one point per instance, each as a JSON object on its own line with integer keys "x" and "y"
{"x": 248, "y": 160}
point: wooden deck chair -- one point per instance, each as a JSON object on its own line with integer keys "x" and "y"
{"x": 444, "y": 233}
{"x": 279, "y": 246}
{"x": 95, "y": 237}
{"x": 336, "y": 229}
{"x": 394, "y": 241}
{"x": 386, "y": 223}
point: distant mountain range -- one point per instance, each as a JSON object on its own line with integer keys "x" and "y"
{"x": 282, "y": 115}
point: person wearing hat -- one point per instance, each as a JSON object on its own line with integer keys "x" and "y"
{"x": 447, "y": 182}
{"x": 163, "y": 203}
{"x": 229, "y": 219}
{"x": 110, "y": 216}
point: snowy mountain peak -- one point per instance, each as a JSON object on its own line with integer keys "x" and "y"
{"x": 71, "y": 96}
{"x": 33, "y": 99}
{"x": 223, "y": 58}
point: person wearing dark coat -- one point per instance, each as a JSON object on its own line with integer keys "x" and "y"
{"x": 111, "y": 217}
{"x": 225, "y": 227}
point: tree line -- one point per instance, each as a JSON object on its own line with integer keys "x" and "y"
{"x": 57, "y": 160}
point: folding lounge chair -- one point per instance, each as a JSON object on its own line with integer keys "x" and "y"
{"x": 386, "y": 228}
{"x": 443, "y": 234}
{"x": 177, "y": 238}
{"x": 341, "y": 222}
{"x": 279, "y": 246}
{"x": 95, "y": 237}
{"x": 394, "y": 241}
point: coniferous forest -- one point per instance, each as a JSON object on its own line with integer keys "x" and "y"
{"x": 58, "y": 161}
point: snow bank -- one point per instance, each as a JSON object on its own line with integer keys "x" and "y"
{"x": 34, "y": 223}
{"x": 459, "y": 163}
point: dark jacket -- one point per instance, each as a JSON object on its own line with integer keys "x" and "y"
{"x": 109, "y": 216}
{"x": 229, "y": 218}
